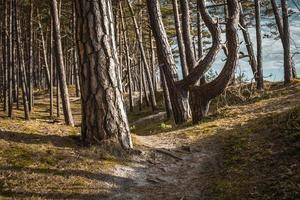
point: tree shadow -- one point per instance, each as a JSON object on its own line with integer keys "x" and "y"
{"x": 55, "y": 140}
{"x": 120, "y": 182}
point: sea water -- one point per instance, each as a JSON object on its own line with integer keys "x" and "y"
{"x": 272, "y": 51}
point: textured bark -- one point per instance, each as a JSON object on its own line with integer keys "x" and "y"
{"x": 103, "y": 112}
{"x": 60, "y": 66}
{"x": 260, "y": 80}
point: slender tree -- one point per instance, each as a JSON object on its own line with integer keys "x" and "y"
{"x": 286, "y": 43}
{"x": 260, "y": 82}
{"x": 60, "y": 66}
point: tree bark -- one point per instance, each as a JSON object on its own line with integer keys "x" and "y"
{"x": 60, "y": 67}
{"x": 260, "y": 82}
{"x": 103, "y": 111}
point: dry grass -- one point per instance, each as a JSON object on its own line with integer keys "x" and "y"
{"x": 257, "y": 137}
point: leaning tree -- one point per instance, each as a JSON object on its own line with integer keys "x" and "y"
{"x": 179, "y": 89}
{"x": 103, "y": 111}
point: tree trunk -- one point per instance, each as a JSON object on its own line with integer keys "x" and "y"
{"x": 5, "y": 55}
{"x": 103, "y": 111}
{"x": 75, "y": 55}
{"x": 186, "y": 33}
{"x": 60, "y": 67}
{"x": 205, "y": 93}
{"x": 10, "y": 61}
{"x": 21, "y": 65}
{"x": 31, "y": 64}
{"x": 286, "y": 43}
{"x": 260, "y": 82}
{"x": 179, "y": 97}
{"x": 180, "y": 39}
{"x": 249, "y": 46}
{"x": 44, "y": 48}
{"x": 143, "y": 55}
{"x": 51, "y": 68}
{"x": 167, "y": 99}
{"x": 128, "y": 63}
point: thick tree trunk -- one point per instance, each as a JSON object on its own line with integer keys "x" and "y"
{"x": 103, "y": 111}
{"x": 60, "y": 67}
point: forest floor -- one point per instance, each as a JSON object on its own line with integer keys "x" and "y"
{"x": 247, "y": 148}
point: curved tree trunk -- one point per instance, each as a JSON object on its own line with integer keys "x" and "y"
{"x": 103, "y": 111}
{"x": 207, "y": 92}
{"x": 179, "y": 89}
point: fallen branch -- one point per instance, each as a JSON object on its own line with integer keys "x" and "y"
{"x": 168, "y": 153}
